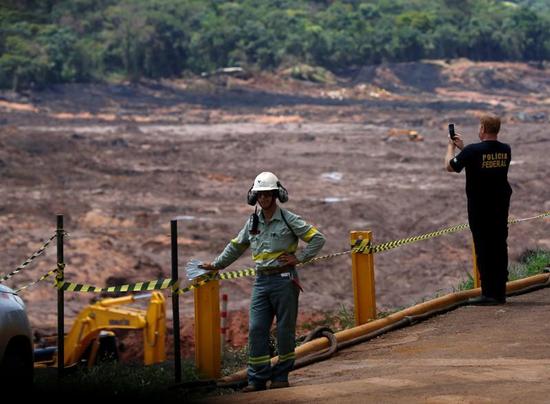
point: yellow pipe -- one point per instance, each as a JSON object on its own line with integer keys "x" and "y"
{"x": 322, "y": 343}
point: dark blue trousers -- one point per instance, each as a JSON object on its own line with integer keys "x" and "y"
{"x": 276, "y": 296}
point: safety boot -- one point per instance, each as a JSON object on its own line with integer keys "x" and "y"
{"x": 485, "y": 301}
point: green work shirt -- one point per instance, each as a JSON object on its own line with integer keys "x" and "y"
{"x": 274, "y": 239}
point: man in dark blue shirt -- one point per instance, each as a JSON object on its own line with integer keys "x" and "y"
{"x": 488, "y": 193}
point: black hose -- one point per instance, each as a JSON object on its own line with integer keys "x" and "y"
{"x": 317, "y": 332}
{"x": 424, "y": 316}
{"x": 410, "y": 320}
{"x": 193, "y": 384}
{"x": 405, "y": 321}
{"x": 316, "y": 357}
{"x": 235, "y": 385}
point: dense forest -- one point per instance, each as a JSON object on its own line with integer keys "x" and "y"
{"x": 57, "y": 41}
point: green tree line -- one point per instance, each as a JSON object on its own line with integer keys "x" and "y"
{"x": 57, "y": 41}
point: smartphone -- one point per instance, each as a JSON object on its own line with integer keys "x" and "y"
{"x": 452, "y": 130}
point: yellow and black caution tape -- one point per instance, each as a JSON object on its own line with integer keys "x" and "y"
{"x": 46, "y": 275}
{"x": 360, "y": 247}
{"x": 59, "y": 271}
{"x": 365, "y": 247}
{"x": 397, "y": 243}
{"x": 205, "y": 280}
{"x": 324, "y": 257}
{"x": 544, "y": 214}
{"x": 237, "y": 274}
{"x": 28, "y": 260}
{"x": 242, "y": 273}
{"x": 159, "y": 284}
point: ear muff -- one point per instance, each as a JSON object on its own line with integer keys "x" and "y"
{"x": 282, "y": 193}
{"x": 252, "y": 197}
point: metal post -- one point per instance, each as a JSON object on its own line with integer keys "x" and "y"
{"x": 224, "y": 323}
{"x": 207, "y": 330}
{"x": 60, "y": 300}
{"x": 475, "y": 275}
{"x": 175, "y": 301}
{"x": 362, "y": 268}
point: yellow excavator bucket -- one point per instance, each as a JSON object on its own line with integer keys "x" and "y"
{"x": 107, "y": 315}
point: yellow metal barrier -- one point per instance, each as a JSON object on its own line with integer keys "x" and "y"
{"x": 207, "y": 330}
{"x": 362, "y": 269}
{"x": 475, "y": 274}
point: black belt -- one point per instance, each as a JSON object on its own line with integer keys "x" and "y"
{"x": 275, "y": 270}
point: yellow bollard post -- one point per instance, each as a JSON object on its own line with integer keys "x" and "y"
{"x": 362, "y": 269}
{"x": 207, "y": 330}
{"x": 475, "y": 275}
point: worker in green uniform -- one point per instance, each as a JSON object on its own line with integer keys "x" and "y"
{"x": 273, "y": 237}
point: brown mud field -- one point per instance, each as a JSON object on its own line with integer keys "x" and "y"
{"x": 362, "y": 153}
{"x": 497, "y": 354}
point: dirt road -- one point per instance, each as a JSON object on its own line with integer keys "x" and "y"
{"x": 498, "y": 354}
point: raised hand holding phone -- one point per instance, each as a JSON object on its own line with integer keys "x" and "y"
{"x": 455, "y": 137}
{"x": 452, "y": 133}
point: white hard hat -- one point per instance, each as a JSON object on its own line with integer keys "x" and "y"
{"x": 265, "y": 181}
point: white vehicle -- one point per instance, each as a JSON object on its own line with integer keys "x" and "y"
{"x": 16, "y": 346}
